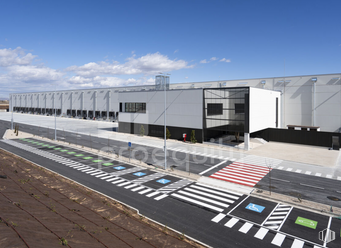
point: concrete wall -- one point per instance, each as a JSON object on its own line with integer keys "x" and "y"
{"x": 184, "y": 108}
{"x": 302, "y": 103}
{"x": 263, "y": 109}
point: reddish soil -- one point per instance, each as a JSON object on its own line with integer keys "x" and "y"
{"x": 41, "y": 209}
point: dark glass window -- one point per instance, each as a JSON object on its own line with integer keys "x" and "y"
{"x": 132, "y": 107}
{"x": 239, "y": 108}
{"x": 214, "y": 109}
{"x": 120, "y": 107}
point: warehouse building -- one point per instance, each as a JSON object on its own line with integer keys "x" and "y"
{"x": 210, "y": 109}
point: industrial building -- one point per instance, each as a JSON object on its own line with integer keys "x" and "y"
{"x": 211, "y": 109}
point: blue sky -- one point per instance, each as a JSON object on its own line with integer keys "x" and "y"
{"x": 84, "y": 44}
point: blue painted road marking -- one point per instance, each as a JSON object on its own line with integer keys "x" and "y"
{"x": 119, "y": 168}
{"x": 163, "y": 181}
{"x": 255, "y": 207}
{"x": 139, "y": 174}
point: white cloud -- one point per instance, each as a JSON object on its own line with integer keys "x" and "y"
{"x": 148, "y": 64}
{"x": 213, "y": 58}
{"x": 9, "y": 57}
{"x": 176, "y": 51}
{"x": 20, "y": 73}
{"x": 204, "y": 61}
{"x": 225, "y": 60}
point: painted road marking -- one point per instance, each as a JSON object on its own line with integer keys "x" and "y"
{"x": 106, "y": 177}
{"x": 298, "y": 171}
{"x": 318, "y": 174}
{"x": 338, "y": 178}
{"x": 160, "y": 197}
{"x": 329, "y": 176}
{"x": 119, "y": 181}
{"x": 152, "y": 194}
{"x": 308, "y": 172}
{"x": 102, "y": 175}
{"x": 163, "y": 181}
{"x": 139, "y": 174}
{"x": 138, "y": 188}
{"x": 203, "y": 198}
{"x": 198, "y": 202}
{"x": 278, "y": 239}
{"x": 231, "y": 222}
{"x": 131, "y": 186}
{"x": 122, "y": 184}
{"x": 297, "y": 244}
{"x": 119, "y": 168}
{"x": 218, "y": 218}
{"x": 112, "y": 179}
{"x": 289, "y": 169}
{"x": 280, "y": 168}
{"x": 254, "y": 207}
{"x": 203, "y": 172}
{"x": 245, "y": 228}
{"x": 145, "y": 191}
{"x": 306, "y": 222}
{"x": 209, "y": 195}
{"x": 261, "y": 233}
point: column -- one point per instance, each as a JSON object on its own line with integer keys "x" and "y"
{"x": 246, "y": 141}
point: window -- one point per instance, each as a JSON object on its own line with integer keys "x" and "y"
{"x": 132, "y": 107}
{"x": 120, "y": 107}
{"x": 239, "y": 108}
{"x": 214, "y": 109}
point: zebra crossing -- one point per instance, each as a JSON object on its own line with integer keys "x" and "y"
{"x": 201, "y": 154}
{"x": 113, "y": 177}
{"x": 247, "y": 171}
{"x": 208, "y": 197}
{"x": 241, "y": 173}
{"x": 277, "y": 217}
{"x": 261, "y": 232}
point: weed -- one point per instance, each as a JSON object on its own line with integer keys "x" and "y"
{"x": 141, "y": 217}
{"x": 23, "y": 181}
{"x": 82, "y": 228}
{"x": 63, "y": 241}
{"x": 52, "y": 207}
{"x": 106, "y": 228}
{"x": 165, "y": 229}
{"x": 46, "y": 194}
{"x": 76, "y": 201}
{"x": 15, "y": 171}
{"x": 14, "y": 224}
{"x": 36, "y": 196}
{"x": 182, "y": 236}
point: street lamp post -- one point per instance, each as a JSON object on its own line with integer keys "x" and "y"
{"x": 164, "y": 83}
{"x": 12, "y": 112}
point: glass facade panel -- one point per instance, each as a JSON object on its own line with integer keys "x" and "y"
{"x": 226, "y": 110}
{"x": 132, "y": 107}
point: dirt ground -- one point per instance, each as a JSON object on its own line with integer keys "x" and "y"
{"x": 41, "y": 209}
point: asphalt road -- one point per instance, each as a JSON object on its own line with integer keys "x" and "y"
{"x": 150, "y": 155}
{"x": 312, "y": 188}
{"x": 235, "y": 225}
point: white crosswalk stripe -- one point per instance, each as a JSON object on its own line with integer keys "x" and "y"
{"x": 277, "y": 216}
{"x": 208, "y": 197}
{"x": 242, "y": 173}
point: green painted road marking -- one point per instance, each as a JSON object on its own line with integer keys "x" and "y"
{"x": 108, "y": 164}
{"x": 87, "y": 157}
{"x": 46, "y": 145}
{"x": 96, "y": 161}
{"x": 58, "y": 148}
{"x": 306, "y": 222}
{"x": 64, "y": 150}
{"x": 51, "y": 146}
{"x": 71, "y": 152}
{"x": 34, "y": 142}
{"x": 79, "y": 155}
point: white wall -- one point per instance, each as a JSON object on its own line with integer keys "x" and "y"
{"x": 184, "y": 108}
{"x": 263, "y": 109}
